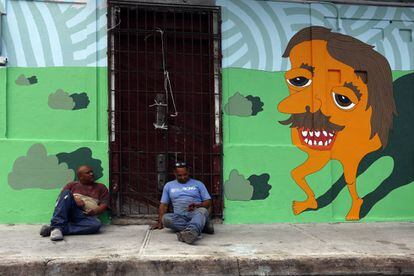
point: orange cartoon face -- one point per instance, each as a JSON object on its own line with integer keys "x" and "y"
{"x": 341, "y": 106}
{"x": 328, "y": 101}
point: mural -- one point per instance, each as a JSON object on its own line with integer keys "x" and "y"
{"x": 42, "y": 171}
{"x": 39, "y": 170}
{"x": 260, "y": 184}
{"x": 22, "y": 80}
{"x": 80, "y": 157}
{"x": 342, "y": 117}
{"x": 255, "y": 187}
{"x": 63, "y": 100}
{"x": 349, "y": 112}
{"x": 56, "y": 62}
{"x": 239, "y": 105}
{"x": 55, "y": 34}
{"x": 255, "y": 33}
{"x": 60, "y": 100}
{"x": 400, "y": 148}
{"x": 81, "y": 100}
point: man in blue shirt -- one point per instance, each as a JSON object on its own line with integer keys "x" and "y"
{"x": 191, "y": 203}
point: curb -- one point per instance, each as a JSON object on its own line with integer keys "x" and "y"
{"x": 266, "y": 265}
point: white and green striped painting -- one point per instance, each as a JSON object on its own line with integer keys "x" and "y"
{"x": 255, "y": 33}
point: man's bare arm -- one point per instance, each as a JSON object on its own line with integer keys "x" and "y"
{"x": 97, "y": 211}
{"x": 161, "y": 211}
{"x": 206, "y": 204}
{"x": 79, "y": 202}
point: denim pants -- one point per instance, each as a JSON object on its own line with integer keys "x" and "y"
{"x": 195, "y": 220}
{"x": 71, "y": 219}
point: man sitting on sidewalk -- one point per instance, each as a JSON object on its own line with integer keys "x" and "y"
{"x": 191, "y": 203}
{"x": 76, "y": 207}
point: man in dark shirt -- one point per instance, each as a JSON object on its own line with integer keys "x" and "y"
{"x": 76, "y": 207}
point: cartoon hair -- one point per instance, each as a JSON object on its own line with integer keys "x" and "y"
{"x": 369, "y": 65}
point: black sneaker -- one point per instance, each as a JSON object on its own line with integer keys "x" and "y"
{"x": 188, "y": 236}
{"x": 209, "y": 228}
{"x": 45, "y": 231}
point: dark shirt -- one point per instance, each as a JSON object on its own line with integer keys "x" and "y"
{"x": 96, "y": 190}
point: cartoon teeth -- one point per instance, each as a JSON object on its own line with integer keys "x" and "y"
{"x": 317, "y": 138}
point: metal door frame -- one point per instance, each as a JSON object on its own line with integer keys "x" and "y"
{"x": 217, "y": 148}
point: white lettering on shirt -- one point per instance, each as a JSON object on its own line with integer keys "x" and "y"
{"x": 191, "y": 188}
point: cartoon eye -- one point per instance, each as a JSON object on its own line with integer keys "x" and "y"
{"x": 343, "y": 102}
{"x": 299, "y": 81}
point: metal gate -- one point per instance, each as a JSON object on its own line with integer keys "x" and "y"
{"x": 164, "y": 82}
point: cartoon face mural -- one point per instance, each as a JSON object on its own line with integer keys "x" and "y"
{"x": 341, "y": 105}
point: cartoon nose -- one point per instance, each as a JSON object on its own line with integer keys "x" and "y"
{"x": 316, "y": 104}
{"x": 300, "y": 102}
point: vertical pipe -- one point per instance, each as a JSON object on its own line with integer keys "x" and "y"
{"x": 118, "y": 114}
{"x": 112, "y": 74}
{"x": 145, "y": 92}
{"x": 112, "y": 136}
{"x": 128, "y": 115}
{"x": 138, "y": 42}
{"x": 192, "y": 94}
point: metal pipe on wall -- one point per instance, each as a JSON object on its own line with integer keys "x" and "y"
{"x": 3, "y": 60}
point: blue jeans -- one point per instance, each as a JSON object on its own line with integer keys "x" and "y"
{"x": 71, "y": 219}
{"x": 195, "y": 220}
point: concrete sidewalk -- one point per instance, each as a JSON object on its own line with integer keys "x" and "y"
{"x": 283, "y": 249}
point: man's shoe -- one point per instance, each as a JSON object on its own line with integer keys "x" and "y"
{"x": 45, "y": 231}
{"x": 188, "y": 236}
{"x": 56, "y": 235}
{"x": 209, "y": 228}
{"x": 179, "y": 238}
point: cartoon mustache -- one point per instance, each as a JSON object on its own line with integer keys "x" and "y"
{"x": 315, "y": 121}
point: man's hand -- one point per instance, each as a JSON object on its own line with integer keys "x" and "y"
{"x": 157, "y": 226}
{"x": 91, "y": 212}
{"x": 193, "y": 206}
{"x": 79, "y": 202}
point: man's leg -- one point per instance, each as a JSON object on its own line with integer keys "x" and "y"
{"x": 175, "y": 222}
{"x": 198, "y": 220}
{"x": 209, "y": 226}
{"x": 83, "y": 226}
{"x": 70, "y": 219}
{"x": 65, "y": 204}
{"x": 194, "y": 227}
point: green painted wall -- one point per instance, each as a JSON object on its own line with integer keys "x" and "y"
{"x": 260, "y": 144}
{"x": 53, "y": 102}
{"x": 259, "y": 155}
{"x": 28, "y": 121}
{"x": 53, "y": 106}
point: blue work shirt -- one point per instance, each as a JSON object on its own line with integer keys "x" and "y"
{"x": 181, "y": 195}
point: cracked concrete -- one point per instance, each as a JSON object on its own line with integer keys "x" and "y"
{"x": 283, "y": 249}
